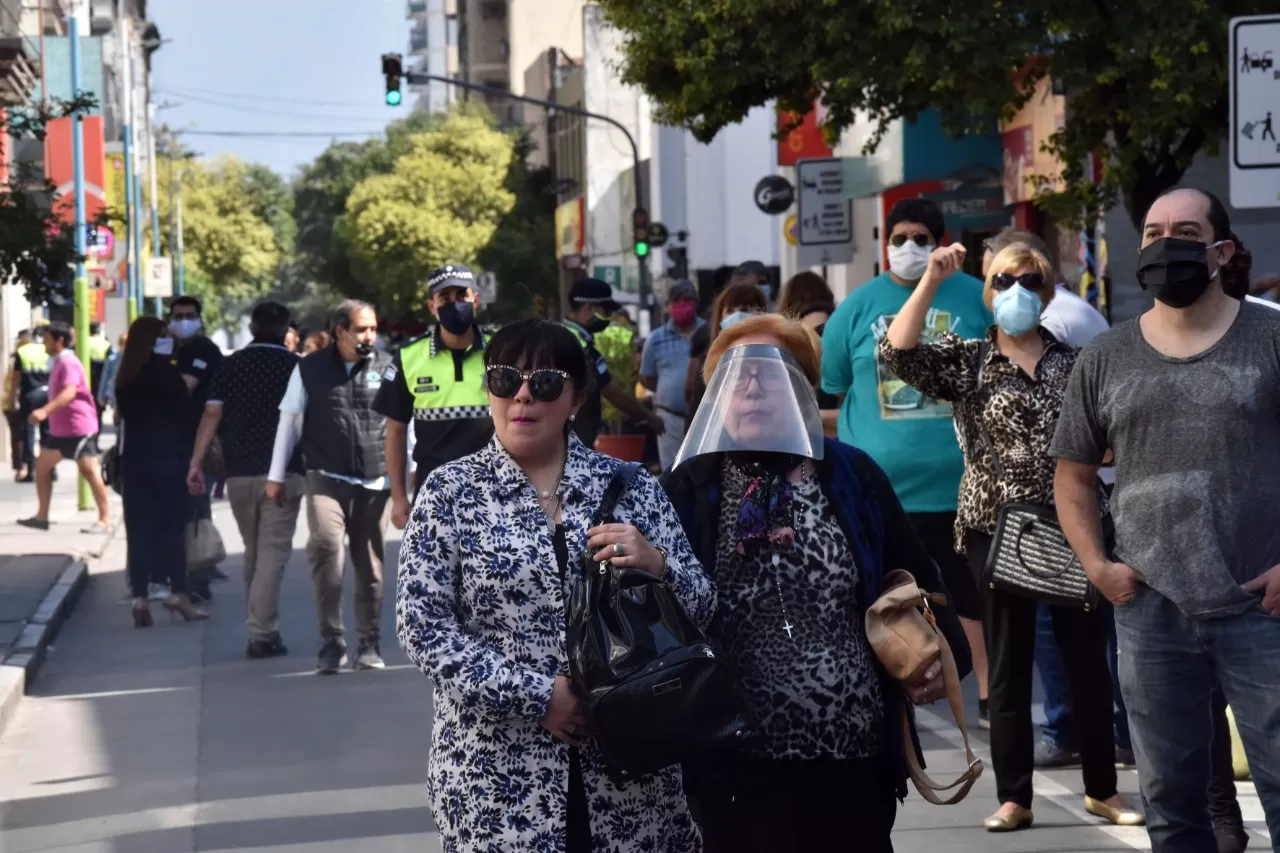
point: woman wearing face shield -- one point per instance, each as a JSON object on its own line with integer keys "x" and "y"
{"x": 1010, "y": 386}
{"x": 798, "y": 532}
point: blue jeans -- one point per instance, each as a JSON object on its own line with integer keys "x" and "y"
{"x": 1059, "y": 728}
{"x": 1169, "y": 668}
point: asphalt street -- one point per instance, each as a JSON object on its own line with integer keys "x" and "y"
{"x": 168, "y": 740}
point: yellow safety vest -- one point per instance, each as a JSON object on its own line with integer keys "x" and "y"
{"x": 427, "y": 369}
{"x": 34, "y": 358}
{"x": 99, "y": 348}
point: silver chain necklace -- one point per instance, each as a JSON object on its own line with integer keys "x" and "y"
{"x": 549, "y": 501}
{"x": 777, "y": 561}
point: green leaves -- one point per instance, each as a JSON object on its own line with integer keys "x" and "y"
{"x": 1147, "y": 79}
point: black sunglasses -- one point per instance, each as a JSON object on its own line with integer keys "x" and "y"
{"x": 545, "y": 385}
{"x": 1029, "y": 280}
{"x": 898, "y": 240}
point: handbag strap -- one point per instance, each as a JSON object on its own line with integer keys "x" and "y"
{"x": 928, "y": 788}
{"x": 618, "y": 485}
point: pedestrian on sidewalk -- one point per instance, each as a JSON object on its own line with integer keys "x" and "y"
{"x": 13, "y": 411}
{"x": 1007, "y": 391}
{"x": 197, "y": 359}
{"x": 153, "y": 449}
{"x": 739, "y": 300}
{"x": 798, "y": 532}
{"x": 73, "y": 430}
{"x": 99, "y": 352}
{"x": 495, "y": 542}
{"x": 31, "y": 372}
{"x": 911, "y": 435}
{"x": 664, "y": 366}
{"x": 1186, "y": 395}
{"x": 106, "y": 392}
{"x": 243, "y": 412}
{"x": 1074, "y": 322}
{"x": 436, "y": 382}
{"x": 327, "y": 412}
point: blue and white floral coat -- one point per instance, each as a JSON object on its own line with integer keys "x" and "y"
{"x": 480, "y": 608}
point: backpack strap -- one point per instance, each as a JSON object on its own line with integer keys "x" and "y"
{"x": 621, "y": 480}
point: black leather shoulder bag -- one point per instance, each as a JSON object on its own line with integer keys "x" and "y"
{"x": 654, "y": 689}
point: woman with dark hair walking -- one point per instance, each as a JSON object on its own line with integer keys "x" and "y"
{"x": 154, "y": 404}
{"x": 492, "y": 547}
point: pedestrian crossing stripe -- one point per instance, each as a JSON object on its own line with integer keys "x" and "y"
{"x": 451, "y": 413}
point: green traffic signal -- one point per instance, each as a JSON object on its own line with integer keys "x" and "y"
{"x": 642, "y": 249}
{"x": 394, "y": 98}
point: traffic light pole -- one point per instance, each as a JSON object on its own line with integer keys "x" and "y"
{"x": 418, "y": 78}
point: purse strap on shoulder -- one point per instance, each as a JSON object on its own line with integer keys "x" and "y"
{"x": 621, "y": 480}
{"x": 928, "y": 788}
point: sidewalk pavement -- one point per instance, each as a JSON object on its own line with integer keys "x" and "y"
{"x": 41, "y": 576}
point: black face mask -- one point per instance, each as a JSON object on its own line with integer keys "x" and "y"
{"x": 1176, "y": 271}
{"x": 364, "y": 350}
{"x": 596, "y": 324}
{"x": 457, "y": 317}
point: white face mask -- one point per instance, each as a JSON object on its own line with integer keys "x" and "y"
{"x": 909, "y": 261}
{"x": 185, "y": 328}
{"x": 164, "y": 346}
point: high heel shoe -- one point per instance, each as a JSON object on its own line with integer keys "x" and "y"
{"x": 141, "y": 613}
{"x": 180, "y": 605}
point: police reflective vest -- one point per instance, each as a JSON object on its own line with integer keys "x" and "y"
{"x": 33, "y": 362}
{"x": 439, "y": 393}
{"x": 99, "y": 348}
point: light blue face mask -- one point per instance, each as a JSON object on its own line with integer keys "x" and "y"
{"x": 736, "y": 317}
{"x": 1017, "y": 310}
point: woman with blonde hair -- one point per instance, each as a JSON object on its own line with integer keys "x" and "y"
{"x": 1007, "y": 391}
{"x": 798, "y": 533}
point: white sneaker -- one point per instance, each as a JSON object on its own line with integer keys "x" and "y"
{"x": 157, "y": 592}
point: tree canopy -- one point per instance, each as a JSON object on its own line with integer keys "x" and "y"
{"x": 441, "y": 202}
{"x": 238, "y": 232}
{"x": 1146, "y": 79}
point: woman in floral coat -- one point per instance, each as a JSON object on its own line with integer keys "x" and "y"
{"x": 491, "y": 550}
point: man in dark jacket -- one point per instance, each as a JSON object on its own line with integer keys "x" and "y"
{"x": 327, "y": 411}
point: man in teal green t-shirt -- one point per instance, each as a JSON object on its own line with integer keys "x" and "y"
{"x": 910, "y": 436}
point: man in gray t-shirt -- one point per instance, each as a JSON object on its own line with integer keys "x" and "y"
{"x": 1188, "y": 398}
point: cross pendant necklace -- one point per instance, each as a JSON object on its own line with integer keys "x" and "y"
{"x": 786, "y": 620}
{"x": 787, "y": 626}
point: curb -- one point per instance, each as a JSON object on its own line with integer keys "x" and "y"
{"x": 19, "y": 670}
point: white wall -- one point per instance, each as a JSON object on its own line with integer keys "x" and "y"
{"x": 535, "y": 26}
{"x": 610, "y": 192}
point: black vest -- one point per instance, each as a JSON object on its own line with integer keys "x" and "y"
{"x": 341, "y": 433}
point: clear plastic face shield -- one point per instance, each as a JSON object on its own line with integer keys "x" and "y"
{"x": 759, "y": 401}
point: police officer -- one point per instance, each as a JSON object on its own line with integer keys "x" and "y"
{"x": 436, "y": 381}
{"x": 590, "y": 306}
{"x": 99, "y": 352}
{"x": 32, "y": 365}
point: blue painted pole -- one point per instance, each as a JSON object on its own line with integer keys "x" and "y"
{"x": 81, "y": 292}
{"x": 131, "y": 228}
{"x": 137, "y": 241}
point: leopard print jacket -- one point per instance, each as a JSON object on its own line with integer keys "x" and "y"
{"x": 789, "y": 622}
{"x": 1020, "y": 413}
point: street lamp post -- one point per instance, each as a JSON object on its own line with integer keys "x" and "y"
{"x": 419, "y": 78}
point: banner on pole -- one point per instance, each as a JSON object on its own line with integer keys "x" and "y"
{"x": 159, "y": 278}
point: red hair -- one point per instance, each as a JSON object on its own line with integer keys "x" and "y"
{"x": 794, "y": 337}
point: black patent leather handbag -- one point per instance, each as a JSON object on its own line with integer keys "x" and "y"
{"x": 655, "y": 690}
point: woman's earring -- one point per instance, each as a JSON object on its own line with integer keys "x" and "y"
{"x": 491, "y": 411}
{"x": 573, "y": 417}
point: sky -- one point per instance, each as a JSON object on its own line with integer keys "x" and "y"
{"x": 283, "y": 66}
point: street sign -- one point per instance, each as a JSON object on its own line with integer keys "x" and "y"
{"x": 826, "y": 216}
{"x": 657, "y": 234}
{"x": 610, "y": 275}
{"x": 1255, "y": 111}
{"x": 159, "y": 278}
{"x": 774, "y": 194}
{"x": 791, "y": 228}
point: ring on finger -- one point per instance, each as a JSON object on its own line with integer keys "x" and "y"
{"x": 618, "y": 550}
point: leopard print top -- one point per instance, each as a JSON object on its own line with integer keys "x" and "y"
{"x": 1019, "y": 411}
{"x": 816, "y": 693}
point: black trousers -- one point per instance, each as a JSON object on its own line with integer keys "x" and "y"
{"x": 1009, "y": 622}
{"x": 828, "y": 805}
{"x": 18, "y": 440}
{"x": 155, "y": 520}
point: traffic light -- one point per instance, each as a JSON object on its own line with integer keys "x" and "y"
{"x": 640, "y": 230}
{"x": 393, "y": 68}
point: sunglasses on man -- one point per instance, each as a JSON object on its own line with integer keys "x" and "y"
{"x": 921, "y": 240}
